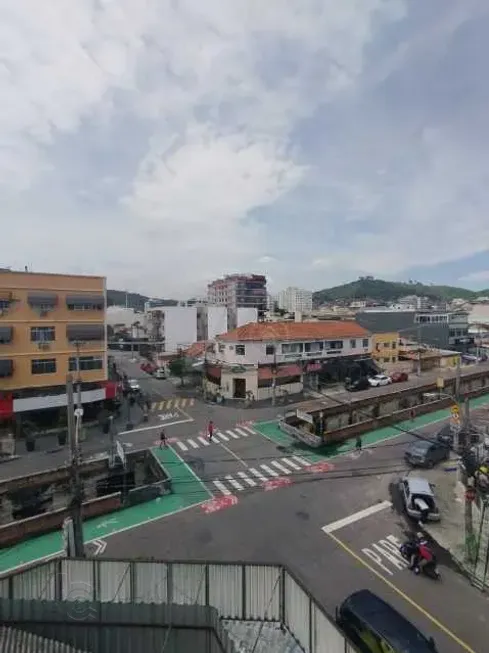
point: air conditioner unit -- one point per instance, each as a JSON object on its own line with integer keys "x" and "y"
{"x": 43, "y": 313}
{"x": 44, "y": 345}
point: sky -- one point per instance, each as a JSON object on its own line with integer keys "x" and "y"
{"x": 164, "y": 143}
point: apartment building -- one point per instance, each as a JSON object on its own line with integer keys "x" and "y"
{"x": 51, "y": 325}
{"x": 239, "y": 291}
{"x": 284, "y": 357}
{"x": 385, "y": 347}
{"x": 295, "y": 300}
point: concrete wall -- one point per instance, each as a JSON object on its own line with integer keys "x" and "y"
{"x": 217, "y": 321}
{"x": 246, "y": 315}
{"x": 180, "y": 327}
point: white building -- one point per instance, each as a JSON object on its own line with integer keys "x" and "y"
{"x": 260, "y": 359}
{"x": 178, "y": 327}
{"x": 415, "y": 303}
{"x": 295, "y": 300}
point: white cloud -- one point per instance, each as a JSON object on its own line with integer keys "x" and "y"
{"x": 165, "y": 143}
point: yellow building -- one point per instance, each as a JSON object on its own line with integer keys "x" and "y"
{"x": 385, "y": 347}
{"x": 50, "y": 325}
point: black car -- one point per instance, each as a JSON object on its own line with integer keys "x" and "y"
{"x": 426, "y": 453}
{"x": 357, "y": 384}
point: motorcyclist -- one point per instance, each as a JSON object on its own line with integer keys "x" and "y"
{"x": 422, "y": 554}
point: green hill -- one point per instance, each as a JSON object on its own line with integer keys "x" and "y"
{"x": 133, "y": 299}
{"x": 388, "y": 291}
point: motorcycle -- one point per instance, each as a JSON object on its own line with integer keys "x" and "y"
{"x": 430, "y": 570}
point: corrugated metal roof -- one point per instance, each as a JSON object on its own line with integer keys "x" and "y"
{"x": 20, "y": 641}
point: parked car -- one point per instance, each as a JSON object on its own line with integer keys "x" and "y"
{"x": 419, "y": 499}
{"x": 426, "y": 453}
{"x": 358, "y": 384}
{"x": 379, "y": 380}
{"x": 399, "y": 377}
{"x": 160, "y": 373}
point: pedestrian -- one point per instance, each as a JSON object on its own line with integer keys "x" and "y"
{"x": 358, "y": 443}
{"x": 163, "y": 441}
{"x": 210, "y": 430}
{"x": 412, "y": 414}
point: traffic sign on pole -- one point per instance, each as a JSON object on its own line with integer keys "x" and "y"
{"x": 455, "y": 410}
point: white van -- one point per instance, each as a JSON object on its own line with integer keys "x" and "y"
{"x": 160, "y": 373}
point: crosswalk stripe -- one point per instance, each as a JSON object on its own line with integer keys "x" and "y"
{"x": 193, "y": 444}
{"x": 233, "y": 435}
{"x": 222, "y": 488}
{"x": 281, "y": 467}
{"x": 249, "y": 429}
{"x": 203, "y": 441}
{"x": 258, "y": 474}
{"x": 301, "y": 461}
{"x": 234, "y": 483}
{"x": 290, "y": 463}
{"x": 182, "y": 446}
{"x": 241, "y": 432}
{"x": 214, "y": 437}
{"x": 269, "y": 470}
{"x": 250, "y": 482}
{"x": 224, "y": 437}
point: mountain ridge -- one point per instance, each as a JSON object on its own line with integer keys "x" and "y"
{"x": 380, "y": 290}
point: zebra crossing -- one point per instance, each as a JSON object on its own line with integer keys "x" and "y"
{"x": 259, "y": 475}
{"x": 201, "y": 440}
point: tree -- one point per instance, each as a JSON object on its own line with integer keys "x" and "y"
{"x": 178, "y": 367}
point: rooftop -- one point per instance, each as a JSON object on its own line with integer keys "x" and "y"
{"x": 268, "y": 331}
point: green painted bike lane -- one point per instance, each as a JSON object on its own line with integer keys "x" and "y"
{"x": 271, "y": 431}
{"x": 188, "y": 491}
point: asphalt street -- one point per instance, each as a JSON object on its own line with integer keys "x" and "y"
{"x": 285, "y": 525}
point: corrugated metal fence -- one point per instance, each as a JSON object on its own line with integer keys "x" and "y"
{"x": 246, "y": 592}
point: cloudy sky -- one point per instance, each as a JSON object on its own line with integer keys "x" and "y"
{"x": 163, "y": 143}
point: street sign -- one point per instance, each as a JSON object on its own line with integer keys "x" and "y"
{"x": 78, "y": 412}
{"x": 455, "y": 410}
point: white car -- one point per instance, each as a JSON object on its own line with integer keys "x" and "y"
{"x": 379, "y": 379}
{"x": 160, "y": 373}
{"x": 134, "y": 385}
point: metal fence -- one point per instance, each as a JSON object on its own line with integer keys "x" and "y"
{"x": 238, "y": 591}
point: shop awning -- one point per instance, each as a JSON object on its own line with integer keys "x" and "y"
{"x": 282, "y": 372}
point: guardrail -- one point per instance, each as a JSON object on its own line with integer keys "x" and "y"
{"x": 238, "y": 591}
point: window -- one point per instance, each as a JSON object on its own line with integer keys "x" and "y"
{"x": 85, "y": 302}
{"x": 386, "y": 344}
{"x": 314, "y": 346}
{"x": 394, "y": 345}
{"x": 43, "y": 334}
{"x": 365, "y": 342}
{"x": 353, "y": 343}
{"x": 386, "y": 360}
{"x": 240, "y": 350}
{"x": 221, "y": 348}
{"x": 292, "y": 348}
{"x": 86, "y": 363}
{"x": 270, "y": 350}
{"x": 334, "y": 344}
{"x": 4, "y": 304}
{"x": 43, "y": 366}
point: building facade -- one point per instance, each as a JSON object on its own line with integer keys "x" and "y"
{"x": 261, "y": 360}
{"x": 441, "y": 329}
{"x": 239, "y": 291}
{"x": 295, "y": 300}
{"x": 178, "y": 327}
{"x": 51, "y": 325}
{"x": 385, "y": 347}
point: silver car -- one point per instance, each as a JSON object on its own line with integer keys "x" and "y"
{"x": 419, "y": 499}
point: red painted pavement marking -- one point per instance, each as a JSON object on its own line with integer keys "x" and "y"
{"x": 276, "y": 483}
{"x": 219, "y": 504}
{"x": 319, "y": 468}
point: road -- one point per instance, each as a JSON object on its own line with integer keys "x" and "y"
{"x": 286, "y": 525}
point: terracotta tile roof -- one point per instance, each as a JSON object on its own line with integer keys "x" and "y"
{"x": 269, "y": 331}
{"x": 196, "y": 350}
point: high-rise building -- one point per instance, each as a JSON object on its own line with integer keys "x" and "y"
{"x": 51, "y": 325}
{"x": 239, "y": 291}
{"x": 295, "y": 300}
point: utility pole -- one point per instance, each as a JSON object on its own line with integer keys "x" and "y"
{"x": 75, "y": 505}
{"x": 457, "y": 380}
{"x": 274, "y": 375}
{"x": 418, "y": 338}
{"x": 79, "y": 403}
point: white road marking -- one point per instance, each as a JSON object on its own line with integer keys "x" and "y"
{"x": 250, "y": 430}
{"x": 181, "y": 446}
{"x": 193, "y": 444}
{"x": 241, "y": 432}
{"x": 215, "y": 438}
{"x": 258, "y": 474}
{"x": 269, "y": 470}
{"x": 203, "y": 441}
{"x": 290, "y": 463}
{"x": 233, "y": 435}
{"x": 357, "y": 516}
{"x": 283, "y": 469}
{"x": 250, "y": 482}
{"x": 224, "y": 437}
{"x": 234, "y": 483}
{"x": 386, "y": 551}
{"x": 222, "y": 488}
{"x": 301, "y": 461}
